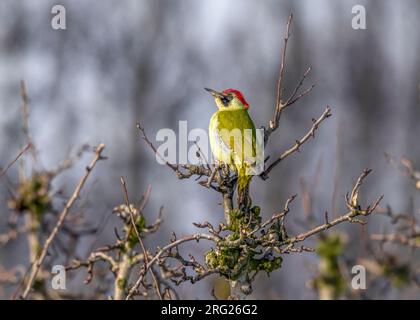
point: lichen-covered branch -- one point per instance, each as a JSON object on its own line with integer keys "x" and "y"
{"x": 123, "y": 256}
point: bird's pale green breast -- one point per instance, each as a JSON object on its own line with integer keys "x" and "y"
{"x": 229, "y": 120}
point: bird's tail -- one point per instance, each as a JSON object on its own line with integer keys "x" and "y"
{"x": 243, "y": 189}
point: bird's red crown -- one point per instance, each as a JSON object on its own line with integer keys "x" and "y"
{"x": 239, "y": 95}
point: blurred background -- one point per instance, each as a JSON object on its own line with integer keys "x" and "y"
{"x": 119, "y": 62}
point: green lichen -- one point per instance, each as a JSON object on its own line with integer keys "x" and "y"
{"x": 38, "y": 285}
{"x": 37, "y": 249}
{"x": 330, "y": 247}
{"x": 140, "y": 223}
{"x": 330, "y": 283}
{"x": 237, "y": 254}
{"x": 397, "y": 273}
{"x": 233, "y": 262}
{"x": 266, "y": 264}
{"x": 122, "y": 283}
{"x": 224, "y": 259}
{"x": 240, "y": 220}
{"x": 33, "y": 196}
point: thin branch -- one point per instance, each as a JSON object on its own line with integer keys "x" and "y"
{"x": 212, "y": 176}
{"x": 12, "y": 234}
{"x": 190, "y": 169}
{"x": 275, "y": 216}
{"x": 279, "y": 108}
{"x": 168, "y": 247}
{"x": 405, "y": 166}
{"x": 93, "y": 258}
{"x": 21, "y": 152}
{"x": 25, "y": 110}
{"x": 133, "y": 224}
{"x": 146, "y": 139}
{"x": 38, "y": 262}
{"x": 69, "y": 161}
{"x": 11, "y": 276}
{"x": 294, "y": 97}
{"x": 300, "y": 95}
{"x": 311, "y": 133}
{"x": 355, "y": 210}
{"x": 399, "y": 239}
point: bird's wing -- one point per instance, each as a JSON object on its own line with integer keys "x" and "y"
{"x": 220, "y": 146}
{"x": 236, "y": 137}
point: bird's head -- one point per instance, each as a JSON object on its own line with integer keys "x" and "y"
{"x": 229, "y": 99}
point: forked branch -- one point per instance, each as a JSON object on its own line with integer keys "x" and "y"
{"x": 311, "y": 133}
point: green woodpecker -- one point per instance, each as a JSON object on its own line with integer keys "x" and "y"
{"x": 232, "y": 136}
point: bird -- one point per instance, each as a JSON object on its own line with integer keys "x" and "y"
{"x": 233, "y": 137}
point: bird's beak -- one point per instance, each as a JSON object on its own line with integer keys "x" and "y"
{"x": 214, "y": 93}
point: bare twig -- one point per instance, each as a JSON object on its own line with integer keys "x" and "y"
{"x": 69, "y": 161}
{"x": 412, "y": 241}
{"x": 21, "y": 152}
{"x": 11, "y": 276}
{"x": 355, "y": 210}
{"x": 279, "y": 107}
{"x": 295, "y": 95}
{"x": 295, "y": 148}
{"x": 405, "y": 166}
{"x": 168, "y": 247}
{"x": 12, "y": 234}
{"x": 93, "y": 257}
{"x": 25, "y": 109}
{"x": 38, "y": 262}
{"x": 212, "y": 176}
{"x": 275, "y": 216}
{"x": 190, "y": 169}
{"x": 133, "y": 223}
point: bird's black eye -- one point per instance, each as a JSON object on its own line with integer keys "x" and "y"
{"x": 226, "y": 99}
